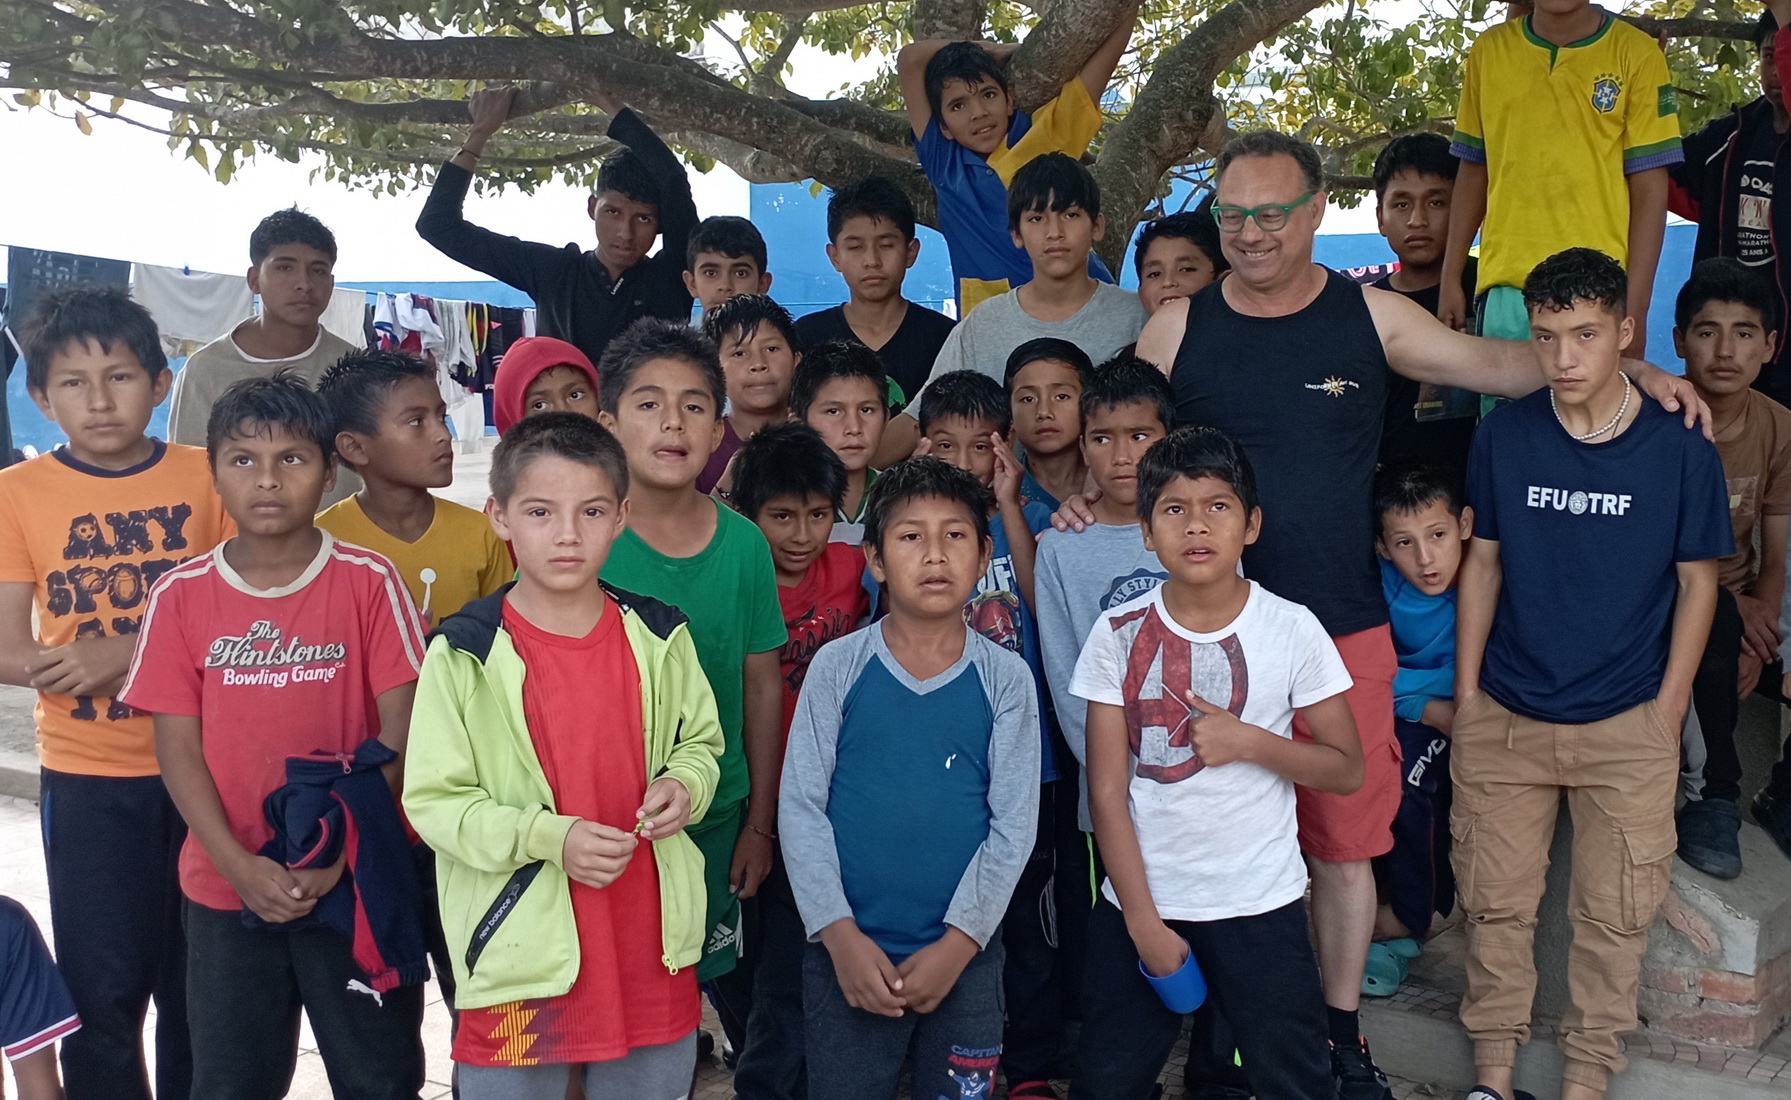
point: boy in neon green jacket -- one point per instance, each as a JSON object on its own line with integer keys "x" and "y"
{"x": 564, "y": 735}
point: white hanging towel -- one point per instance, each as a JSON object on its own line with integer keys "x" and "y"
{"x": 346, "y": 315}
{"x": 199, "y": 306}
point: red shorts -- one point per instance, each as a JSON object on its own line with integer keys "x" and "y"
{"x": 1344, "y": 828}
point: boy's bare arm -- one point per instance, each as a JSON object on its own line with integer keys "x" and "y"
{"x": 1647, "y": 226}
{"x": 1332, "y": 761}
{"x": 37, "y": 1075}
{"x": 900, "y": 438}
{"x": 86, "y": 666}
{"x": 1109, "y": 780}
{"x": 394, "y": 728}
{"x": 1467, "y": 209}
{"x": 911, "y": 74}
{"x": 1692, "y": 611}
{"x": 1097, "y": 71}
{"x": 18, "y": 646}
{"x": 1476, "y": 596}
{"x": 761, "y": 732}
{"x": 489, "y": 109}
{"x": 1012, "y": 517}
{"x": 265, "y": 887}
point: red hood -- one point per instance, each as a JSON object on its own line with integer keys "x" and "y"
{"x": 521, "y": 365}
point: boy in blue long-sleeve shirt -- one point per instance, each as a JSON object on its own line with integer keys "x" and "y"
{"x": 1424, "y": 527}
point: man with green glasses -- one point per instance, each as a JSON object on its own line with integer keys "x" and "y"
{"x": 1293, "y": 360}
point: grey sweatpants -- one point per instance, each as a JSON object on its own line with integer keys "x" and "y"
{"x": 660, "y": 1072}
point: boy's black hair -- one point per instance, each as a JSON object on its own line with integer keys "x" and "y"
{"x": 925, "y": 476}
{"x": 657, "y": 338}
{"x": 1410, "y": 485}
{"x": 870, "y": 196}
{"x": 739, "y": 319}
{"x": 786, "y": 458}
{"x": 731, "y": 236}
{"x": 1765, "y": 29}
{"x": 106, "y": 315}
{"x": 1053, "y": 348}
{"x": 1274, "y": 143}
{"x": 1726, "y": 279}
{"x": 966, "y": 61}
{"x": 834, "y": 359}
{"x": 357, "y": 387}
{"x": 1578, "y": 275}
{"x": 1125, "y": 379}
{"x": 290, "y": 226}
{"x": 967, "y": 393}
{"x": 1195, "y": 226}
{"x": 625, "y": 173}
{"x": 1194, "y": 453}
{"x": 1425, "y": 153}
{"x": 568, "y": 435}
{"x": 1051, "y": 181}
{"x": 254, "y": 405}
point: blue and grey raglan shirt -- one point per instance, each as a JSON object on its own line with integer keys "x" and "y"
{"x": 909, "y": 805}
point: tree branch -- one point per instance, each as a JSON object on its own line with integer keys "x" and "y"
{"x": 1694, "y": 28}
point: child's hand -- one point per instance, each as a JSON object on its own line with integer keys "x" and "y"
{"x": 664, "y": 810}
{"x": 596, "y": 854}
{"x": 1008, "y": 471}
{"x": 866, "y": 976}
{"x": 1159, "y": 947}
{"x": 1439, "y": 715}
{"x": 1452, "y": 306}
{"x": 85, "y": 666}
{"x": 929, "y": 974}
{"x": 1075, "y": 512}
{"x": 1218, "y": 735}
{"x": 924, "y": 447}
{"x": 489, "y": 108}
{"x": 268, "y": 889}
{"x": 752, "y": 862}
{"x": 315, "y": 882}
{"x": 1749, "y": 678}
{"x": 1759, "y": 628}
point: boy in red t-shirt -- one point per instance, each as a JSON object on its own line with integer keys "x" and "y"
{"x": 790, "y": 482}
{"x": 559, "y": 723}
{"x": 282, "y": 642}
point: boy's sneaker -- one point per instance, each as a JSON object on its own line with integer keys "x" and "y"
{"x": 1710, "y": 836}
{"x": 1481, "y": 1092}
{"x": 1357, "y": 1077}
{"x": 1774, "y": 815}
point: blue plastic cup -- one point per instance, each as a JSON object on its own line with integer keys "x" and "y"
{"x": 1184, "y": 990}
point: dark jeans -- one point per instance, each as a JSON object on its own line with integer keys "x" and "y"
{"x": 857, "y": 1054}
{"x": 1261, "y": 976}
{"x": 1029, "y": 935}
{"x": 1719, "y": 707}
{"x": 772, "y": 1065}
{"x": 246, "y": 988}
{"x": 112, "y": 851}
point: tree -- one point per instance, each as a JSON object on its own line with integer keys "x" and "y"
{"x": 377, "y": 86}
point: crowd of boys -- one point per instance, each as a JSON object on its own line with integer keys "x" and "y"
{"x": 926, "y": 695}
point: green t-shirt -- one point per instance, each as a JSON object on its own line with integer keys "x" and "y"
{"x": 728, "y": 590}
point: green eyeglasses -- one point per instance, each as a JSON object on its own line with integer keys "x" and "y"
{"x": 1271, "y": 217}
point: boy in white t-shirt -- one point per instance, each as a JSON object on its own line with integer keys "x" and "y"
{"x": 1193, "y": 801}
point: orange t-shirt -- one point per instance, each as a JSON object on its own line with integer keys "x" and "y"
{"x": 91, "y": 542}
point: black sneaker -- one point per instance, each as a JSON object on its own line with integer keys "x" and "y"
{"x": 1357, "y": 1077}
{"x": 1774, "y": 815}
{"x": 1710, "y": 836}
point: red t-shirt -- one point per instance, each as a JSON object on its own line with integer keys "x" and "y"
{"x": 271, "y": 673}
{"x": 582, "y": 701}
{"x": 829, "y": 601}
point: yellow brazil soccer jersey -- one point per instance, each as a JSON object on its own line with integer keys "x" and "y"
{"x": 459, "y": 558}
{"x": 1559, "y": 128}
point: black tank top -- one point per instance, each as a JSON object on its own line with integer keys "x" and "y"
{"x": 1305, "y": 394}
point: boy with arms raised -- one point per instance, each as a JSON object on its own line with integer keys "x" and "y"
{"x": 585, "y": 297}
{"x": 1726, "y": 330}
{"x": 790, "y": 483}
{"x": 757, "y": 340}
{"x": 662, "y": 395}
{"x": 971, "y": 142}
{"x": 839, "y": 391}
{"x": 391, "y": 428}
{"x": 281, "y": 642}
{"x": 1573, "y": 669}
{"x": 71, "y": 597}
{"x": 871, "y": 243}
{"x": 1192, "y": 690}
{"x": 1044, "y": 380}
{"x": 725, "y": 258}
{"x": 566, "y": 734}
{"x": 919, "y": 715}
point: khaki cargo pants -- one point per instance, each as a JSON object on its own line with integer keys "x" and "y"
{"x": 1510, "y": 774}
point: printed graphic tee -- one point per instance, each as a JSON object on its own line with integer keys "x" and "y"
{"x": 272, "y": 673}
{"x": 830, "y": 601}
{"x": 1218, "y": 842}
{"x": 91, "y": 542}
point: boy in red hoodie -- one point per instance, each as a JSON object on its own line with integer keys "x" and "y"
{"x": 542, "y": 374}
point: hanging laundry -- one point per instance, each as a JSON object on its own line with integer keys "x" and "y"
{"x": 189, "y": 306}
{"x": 346, "y": 315}
{"x": 33, "y": 272}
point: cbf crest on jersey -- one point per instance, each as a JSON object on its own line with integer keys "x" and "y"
{"x": 1605, "y": 92}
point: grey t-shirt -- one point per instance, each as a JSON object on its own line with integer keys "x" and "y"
{"x": 1080, "y": 576}
{"x": 988, "y": 334}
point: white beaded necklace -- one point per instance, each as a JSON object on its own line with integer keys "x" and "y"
{"x": 1615, "y": 420}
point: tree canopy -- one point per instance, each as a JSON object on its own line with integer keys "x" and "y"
{"x": 377, "y": 87}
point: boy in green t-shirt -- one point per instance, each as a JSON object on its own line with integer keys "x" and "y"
{"x": 661, "y": 393}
